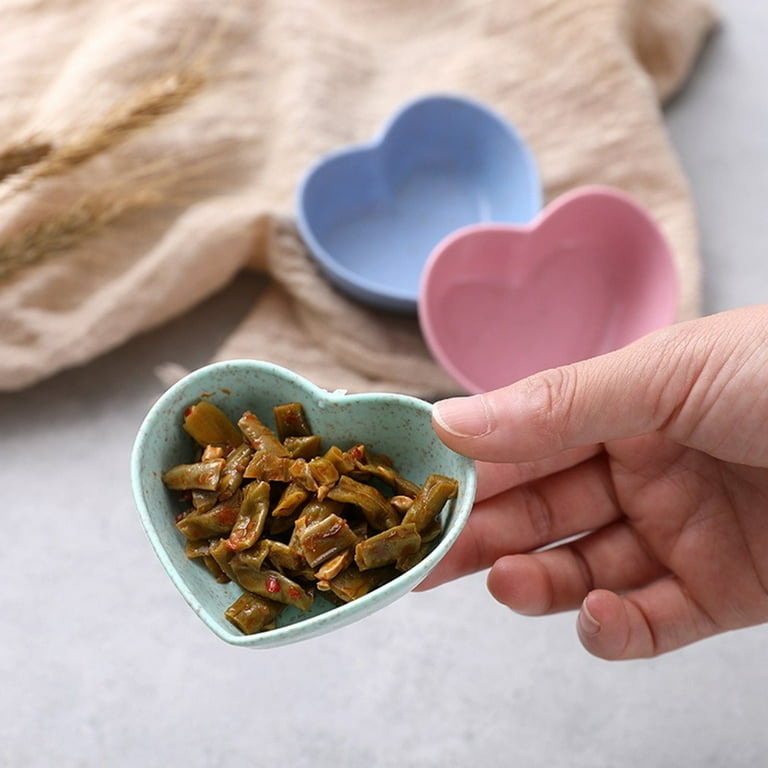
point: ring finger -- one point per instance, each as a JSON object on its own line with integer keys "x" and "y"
{"x": 559, "y": 579}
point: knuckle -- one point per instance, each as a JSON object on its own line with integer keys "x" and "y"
{"x": 551, "y": 403}
{"x": 539, "y": 515}
{"x": 582, "y": 567}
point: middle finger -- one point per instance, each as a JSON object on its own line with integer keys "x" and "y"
{"x": 530, "y": 516}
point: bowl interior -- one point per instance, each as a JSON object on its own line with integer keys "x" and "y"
{"x": 371, "y": 215}
{"x": 502, "y": 302}
{"x": 396, "y": 425}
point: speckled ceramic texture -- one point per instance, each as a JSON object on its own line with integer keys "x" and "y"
{"x": 396, "y": 425}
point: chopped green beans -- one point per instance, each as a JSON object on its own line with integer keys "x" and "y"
{"x": 285, "y": 519}
{"x": 430, "y": 500}
{"x": 217, "y": 521}
{"x": 251, "y": 613}
{"x": 387, "y": 547}
{"x": 232, "y": 471}
{"x": 209, "y": 425}
{"x": 303, "y": 447}
{"x": 260, "y": 436}
{"x": 324, "y": 539}
{"x": 379, "y": 513}
{"x": 291, "y": 421}
{"x": 251, "y": 517}
{"x": 292, "y": 497}
{"x": 202, "y": 475}
{"x": 272, "y": 585}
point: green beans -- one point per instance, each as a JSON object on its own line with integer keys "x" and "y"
{"x": 209, "y": 425}
{"x": 377, "y": 510}
{"x": 217, "y": 521}
{"x": 291, "y": 498}
{"x": 291, "y": 421}
{"x": 232, "y": 471}
{"x": 381, "y": 467}
{"x": 430, "y": 500}
{"x": 251, "y": 613}
{"x": 271, "y": 584}
{"x": 202, "y": 475}
{"x": 303, "y": 447}
{"x": 324, "y": 539}
{"x": 261, "y": 437}
{"x": 251, "y": 517}
{"x": 387, "y": 547}
{"x": 286, "y": 519}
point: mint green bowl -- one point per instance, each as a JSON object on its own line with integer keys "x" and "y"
{"x": 396, "y": 425}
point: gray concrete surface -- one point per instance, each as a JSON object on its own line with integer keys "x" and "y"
{"x": 103, "y": 664}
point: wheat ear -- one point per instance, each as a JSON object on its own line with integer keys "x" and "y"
{"x": 66, "y": 229}
{"x": 155, "y": 100}
{"x": 19, "y": 156}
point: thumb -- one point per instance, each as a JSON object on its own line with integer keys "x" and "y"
{"x": 618, "y": 395}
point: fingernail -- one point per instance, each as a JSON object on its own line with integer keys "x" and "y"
{"x": 588, "y": 624}
{"x": 464, "y": 416}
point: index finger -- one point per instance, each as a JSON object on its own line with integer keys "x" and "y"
{"x": 618, "y": 395}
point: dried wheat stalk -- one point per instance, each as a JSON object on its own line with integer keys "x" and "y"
{"x": 172, "y": 181}
{"x": 66, "y": 229}
{"x": 19, "y": 156}
{"x": 95, "y": 210}
{"x": 151, "y": 101}
{"x": 155, "y": 100}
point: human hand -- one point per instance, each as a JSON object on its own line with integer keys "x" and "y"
{"x": 655, "y": 458}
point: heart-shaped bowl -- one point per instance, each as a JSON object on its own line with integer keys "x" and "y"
{"x": 371, "y": 214}
{"x": 396, "y": 425}
{"x": 590, "y": 274}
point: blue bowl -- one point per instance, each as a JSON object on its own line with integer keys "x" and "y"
{"x": 397, "y": 425}
{"x": 371, "y": 214}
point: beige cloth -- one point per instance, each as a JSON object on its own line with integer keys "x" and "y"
{"x": 161, "y": 143}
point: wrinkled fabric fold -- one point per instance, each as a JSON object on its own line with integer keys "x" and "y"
{"x": 151, "y": 151}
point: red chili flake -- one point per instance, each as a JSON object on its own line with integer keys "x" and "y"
{"x": 187, "y": 413}
{"x": 226, "y": 515}
{"x": 272, "y": 584}
{"x": 293, "y": 593}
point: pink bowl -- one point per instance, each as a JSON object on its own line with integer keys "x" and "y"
{"x": 590, "y": 274}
